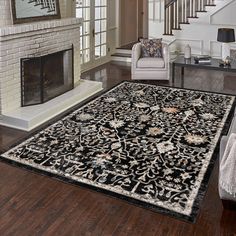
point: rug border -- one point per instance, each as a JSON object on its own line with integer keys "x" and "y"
{"x": 205, "y": 181}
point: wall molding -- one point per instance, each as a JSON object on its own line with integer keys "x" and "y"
{"x": 215, "y": 49}
{"x": 181, "y": 43}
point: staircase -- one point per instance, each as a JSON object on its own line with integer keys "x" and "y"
{"x": 178, "y": 12}
{"x": 123, "y": 53}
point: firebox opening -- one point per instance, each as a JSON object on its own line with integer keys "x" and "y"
{"x": 46, "y": 77}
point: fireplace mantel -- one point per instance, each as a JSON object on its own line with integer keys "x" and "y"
{"x": 17, "y": 30}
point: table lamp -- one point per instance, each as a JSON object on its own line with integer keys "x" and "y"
{"x": 225, "y": 36}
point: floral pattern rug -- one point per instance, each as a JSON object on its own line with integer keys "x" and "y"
{"x": 147, "y": 144}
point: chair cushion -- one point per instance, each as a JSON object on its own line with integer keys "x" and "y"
{"x": 151, "y": 47}
{"x": 232, "y": 128}
{"x": 150, "y": 62}
{"x": 226, "y": 196}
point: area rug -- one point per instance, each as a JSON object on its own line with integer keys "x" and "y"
{"x": 150, "y": 145}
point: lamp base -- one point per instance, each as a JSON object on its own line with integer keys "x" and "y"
{"x": 225, "y": 64}
{"x": 225, "y": 51}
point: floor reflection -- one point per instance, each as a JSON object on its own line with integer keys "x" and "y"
{"x": 228, "y": 223}
{"x": 214, "y": 81}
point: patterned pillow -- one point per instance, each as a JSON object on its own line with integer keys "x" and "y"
{"x": 151, "y": 47}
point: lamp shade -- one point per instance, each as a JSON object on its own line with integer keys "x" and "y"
{"x": 225, "y": 35}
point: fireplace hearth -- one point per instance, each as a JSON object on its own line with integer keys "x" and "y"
{"x": 46, "y": 77}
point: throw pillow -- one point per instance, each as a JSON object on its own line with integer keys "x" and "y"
{"x": 151, "y": 47}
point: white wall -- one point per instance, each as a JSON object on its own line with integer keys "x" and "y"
{"x": 113, "y": 24}
{"x": 67, "y": 8}
{"x": 201, "y": 34}
{"x": 5, "y": 13}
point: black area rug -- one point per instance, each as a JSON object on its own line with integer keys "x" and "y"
{"x": 150, "y": 145}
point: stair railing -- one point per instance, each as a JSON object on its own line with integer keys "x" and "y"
{"x": 168, "y": 17}
{"x": 178, "y": 12}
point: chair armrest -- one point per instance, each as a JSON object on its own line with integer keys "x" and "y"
{"x": 223, "y": 143}
{"x": 232, "y": 128}
{"x": 136, "y": 53}
{"x": 165, "y": 54}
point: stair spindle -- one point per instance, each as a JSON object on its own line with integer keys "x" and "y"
{"x": 170, "y": 18}
{"x": 166, "y": 20}
{"x": 185, "y": 11}
{"x": 177, "y": 14}
{"x": 196, "y": 7}
{"x": 191, "y": 8}
{"x": 182, "y": 10}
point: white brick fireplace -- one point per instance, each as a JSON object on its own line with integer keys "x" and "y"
{"x": 30, "y": 40}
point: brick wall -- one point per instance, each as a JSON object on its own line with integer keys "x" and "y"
{"x": 27, "y": 40}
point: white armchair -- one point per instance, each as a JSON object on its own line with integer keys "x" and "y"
{"x": 150, "y": 68}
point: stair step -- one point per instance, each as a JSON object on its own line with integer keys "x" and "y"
{"x": 193, "y": 17}
{"x": 210, "y": 5}
{"x": 201, "y": 11}
{"x": 121, "y": 55}
{"x": 127, "y": 46}
{"x": 184, "y": 23}
{"x": 123, "y": 51}
{"x": 168, "y": 34}
{"x": 176, "y": 29}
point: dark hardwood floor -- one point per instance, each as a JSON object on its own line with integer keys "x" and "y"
{"x": 32, "y": 204}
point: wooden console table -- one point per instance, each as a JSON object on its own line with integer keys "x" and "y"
{"x": 182, "y": 63}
